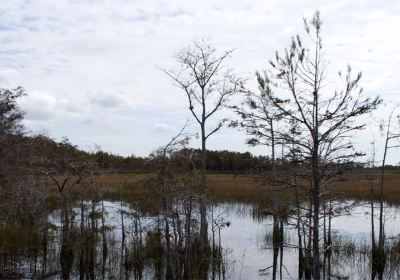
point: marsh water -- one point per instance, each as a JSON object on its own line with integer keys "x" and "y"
{"x": 110, "y": 240}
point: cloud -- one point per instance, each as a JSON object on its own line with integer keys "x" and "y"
{"x": 41, "y": 106}
{"x": 92, "y": 68}
{"x": 162, "y": 128}
{"x": 107, "y": 100}
{"x": 9, "y": 77}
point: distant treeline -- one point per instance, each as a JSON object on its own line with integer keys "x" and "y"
{"x": 217, "y": 161}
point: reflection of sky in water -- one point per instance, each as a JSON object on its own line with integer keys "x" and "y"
{"x": 358, "y": 222}
{"x": 112, "y": 219}
{"x": 245, "y": 237}
{"x": 244, "y": 241}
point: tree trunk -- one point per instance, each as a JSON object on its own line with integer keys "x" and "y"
{"x": 381, "y": 225}
{"x": 372, "y": 206}
{"x": 188, "y": 218}
{"x": 275, "y": 203}
{"x": 203, "y": 195}
{"x": 316, "y": 260}
{"x": 316, "y": 205}
{"x": 169, "y": 274}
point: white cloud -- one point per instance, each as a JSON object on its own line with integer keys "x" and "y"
{"x": 107, "y": 100}
{"x": 9, "y": 77}
{"x": 73, "y": 56}
{"x": 163, "y": 128}
{"x": 40, "y": 106}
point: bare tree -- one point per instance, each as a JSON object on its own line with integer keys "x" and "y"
{"x": 326, "y": 120}
{"x": 378, "y": 250}
{"x": 208, "y": 84}
{"x": 174, "y": 145}
{"x": 65, "y": 168}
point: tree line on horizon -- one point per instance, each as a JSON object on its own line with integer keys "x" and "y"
{"x": 218, "y": 161}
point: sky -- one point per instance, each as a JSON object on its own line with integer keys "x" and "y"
{"x": 91, "y": 69}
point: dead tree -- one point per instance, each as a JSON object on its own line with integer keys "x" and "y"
{"x": 66, "y": 168}
{"x": 207, "y": 85}
{"x": 177, "y": 142}
{"x": 174, "y": 179}
{"x": 325, "y": 120}
{"x": 378, "y": 250}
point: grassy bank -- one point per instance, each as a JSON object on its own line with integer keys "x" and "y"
{"x": 241, "y": 188}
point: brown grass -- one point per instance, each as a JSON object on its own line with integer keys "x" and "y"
{"x": 239, "y": 188}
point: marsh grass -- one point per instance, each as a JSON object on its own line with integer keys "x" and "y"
{"x": 239, "y": 188}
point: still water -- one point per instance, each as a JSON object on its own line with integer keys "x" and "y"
{"x": 125, "y": 244}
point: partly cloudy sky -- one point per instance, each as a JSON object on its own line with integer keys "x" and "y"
{"x": 91, "y": 68}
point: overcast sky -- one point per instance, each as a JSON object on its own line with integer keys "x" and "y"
{"x": 91, "y": 69}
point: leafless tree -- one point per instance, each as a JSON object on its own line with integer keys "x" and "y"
{"x": 208, "y": 84}
{"x": 177, "y": 142}
{"x": 65, "y": 168}
{"x": 326, "y": 120}
{"x": 391, "y": 132}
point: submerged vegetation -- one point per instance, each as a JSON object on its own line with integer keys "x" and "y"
{"x": 67, "y": 213}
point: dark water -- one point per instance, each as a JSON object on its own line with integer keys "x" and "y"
{"x": 114, "y": 241}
